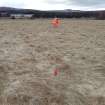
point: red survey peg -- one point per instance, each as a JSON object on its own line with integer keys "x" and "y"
{"x": 56, "y": 71}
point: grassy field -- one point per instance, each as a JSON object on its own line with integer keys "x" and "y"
{"x": 31, "y": 51}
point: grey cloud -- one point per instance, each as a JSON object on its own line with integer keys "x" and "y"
{"x": 56, "y": 1}
{"x": 84, "y": 3}
{"x": 87, "y": 2}
{"x": 12, "y": 3}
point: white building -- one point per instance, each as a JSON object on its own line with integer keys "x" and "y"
{"x": 21, "y": 16}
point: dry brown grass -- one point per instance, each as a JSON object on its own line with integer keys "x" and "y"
{"x": 30, "y": 51}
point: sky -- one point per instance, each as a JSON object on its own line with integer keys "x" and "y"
{"x": 55, "y": 4}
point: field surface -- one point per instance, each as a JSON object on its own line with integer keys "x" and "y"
{"x": 43, "y": 65}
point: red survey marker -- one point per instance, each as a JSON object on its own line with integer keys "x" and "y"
{"x": 55, "y": 22}
{"x": 56, "y": 71}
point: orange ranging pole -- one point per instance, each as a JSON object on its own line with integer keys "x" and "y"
{"x": 55, "y": 22}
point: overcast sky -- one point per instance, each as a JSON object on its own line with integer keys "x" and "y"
{"x": 55, "y": 4}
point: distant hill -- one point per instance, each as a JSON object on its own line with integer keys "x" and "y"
{"x": 17, "y": 10}
{"x": 7, "y": 8}
{"x": 67, "y": 13}
{"x": 65, "y": 10}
